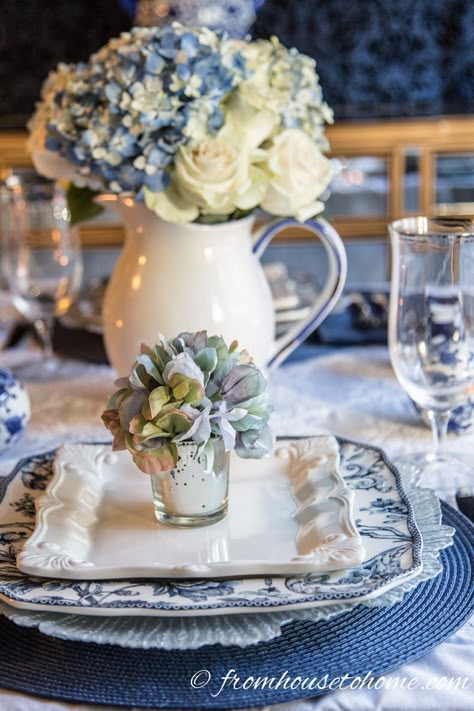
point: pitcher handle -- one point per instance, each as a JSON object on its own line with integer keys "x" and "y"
{"x": 326, "y": 299}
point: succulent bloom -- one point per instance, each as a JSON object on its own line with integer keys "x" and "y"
{"x": 200, "y": 430}
{"x": 242, "y": 383}
{"x": 185, "y": 378}
{"x": 191, "y": 389}
{"x": 182, "y": 364}
{"x": 153, "y": 461}
{"x": 254, "y": 443}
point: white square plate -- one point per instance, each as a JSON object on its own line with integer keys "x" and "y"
{"x": 289, "y": 513}
{"x": 383, "y": 514}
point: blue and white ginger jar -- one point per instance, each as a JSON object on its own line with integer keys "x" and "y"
{"x": 14, "y": 409}
{"x": 233, "y": 16}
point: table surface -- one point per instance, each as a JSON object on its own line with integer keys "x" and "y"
{"x": 348, "y": 392}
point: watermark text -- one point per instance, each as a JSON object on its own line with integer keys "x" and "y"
{"x": 234, "y": 681}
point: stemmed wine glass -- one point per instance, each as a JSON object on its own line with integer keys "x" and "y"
{"x": 41, "y": 259}
{"x": 431, "y": 320}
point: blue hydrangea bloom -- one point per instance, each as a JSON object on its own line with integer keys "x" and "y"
{"x": 120, "y": 118}
{"x": 129, "y": 104}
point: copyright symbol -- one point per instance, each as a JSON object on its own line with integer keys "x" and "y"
{"x": 200, "y": 679}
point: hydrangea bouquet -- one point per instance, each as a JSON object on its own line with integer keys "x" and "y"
{"x": 191, "y": 389}
{"x": 196, "y": 124}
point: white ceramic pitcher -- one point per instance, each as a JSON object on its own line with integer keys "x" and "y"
{"x": 173, "y": 277}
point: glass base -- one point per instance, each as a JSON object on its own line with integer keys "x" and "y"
{"x": 425, "y": 466}
{"x": 188, "y": 495}
{"x": 181, "y": 521}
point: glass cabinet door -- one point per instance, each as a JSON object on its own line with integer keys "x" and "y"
{"x": 360, "y": 187}
{"x": 454, "y": 183}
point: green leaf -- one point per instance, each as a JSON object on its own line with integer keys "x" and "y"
{"x": 117, "y": 398}
{"x": 218, "y": 343}
{"x": 81, "y": 204}
{"x": 150, "y": 367}
{"x": 239, "y": 214}
{"x": 157, "y": 399}
{"x": 206, "y": 359}
{"x": 173, "y": 422}
{"x": 220, "y": 219}
{"x": 212, "y": 219}
{"x": 186, "y": 389}
{"x": 153, "y": 461}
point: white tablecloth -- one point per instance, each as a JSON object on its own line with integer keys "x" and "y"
{"x": 351, "y": 393}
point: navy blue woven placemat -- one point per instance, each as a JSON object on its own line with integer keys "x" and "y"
{"x": 364, "y": 640}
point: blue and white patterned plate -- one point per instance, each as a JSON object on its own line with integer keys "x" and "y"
{"x": 246, "y": 629}
{"x": 382, "y": 512}
{"x": 14, "y": 409}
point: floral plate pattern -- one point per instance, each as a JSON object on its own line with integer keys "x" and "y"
{"x": 382, "y": 512}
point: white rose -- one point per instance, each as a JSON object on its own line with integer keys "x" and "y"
{"x": 247, "y": 125}
{"x": 209, "y": 174}
{"x": 298, "y": 174}
{"x": 256, "y": 54}
{"x": 258, "y": 88}
{"x": 217, "y": 177}
{"x": 212, "y": 177}
{"x": 170, "y": 206}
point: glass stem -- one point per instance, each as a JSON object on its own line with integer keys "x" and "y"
{"x": 44, "y": 329}
{"x": 439, "y": 427}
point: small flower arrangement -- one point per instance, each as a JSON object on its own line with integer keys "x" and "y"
{"x": 191, "y": 389}
{"x": 200, "y": 126}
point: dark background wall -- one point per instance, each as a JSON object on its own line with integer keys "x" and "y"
{"x": 37, "y": 34}
{"x": 383, "y": 57}
{"x": 375, "y": 57}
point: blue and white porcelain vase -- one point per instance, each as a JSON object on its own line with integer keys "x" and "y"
{"x": 14, "y": 409}
{"x": 233, "y": 16}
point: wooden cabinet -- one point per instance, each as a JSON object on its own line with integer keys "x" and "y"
{"x": 411, "y": 151}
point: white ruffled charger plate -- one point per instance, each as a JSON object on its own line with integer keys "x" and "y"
{"x": 385, "y": 516}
